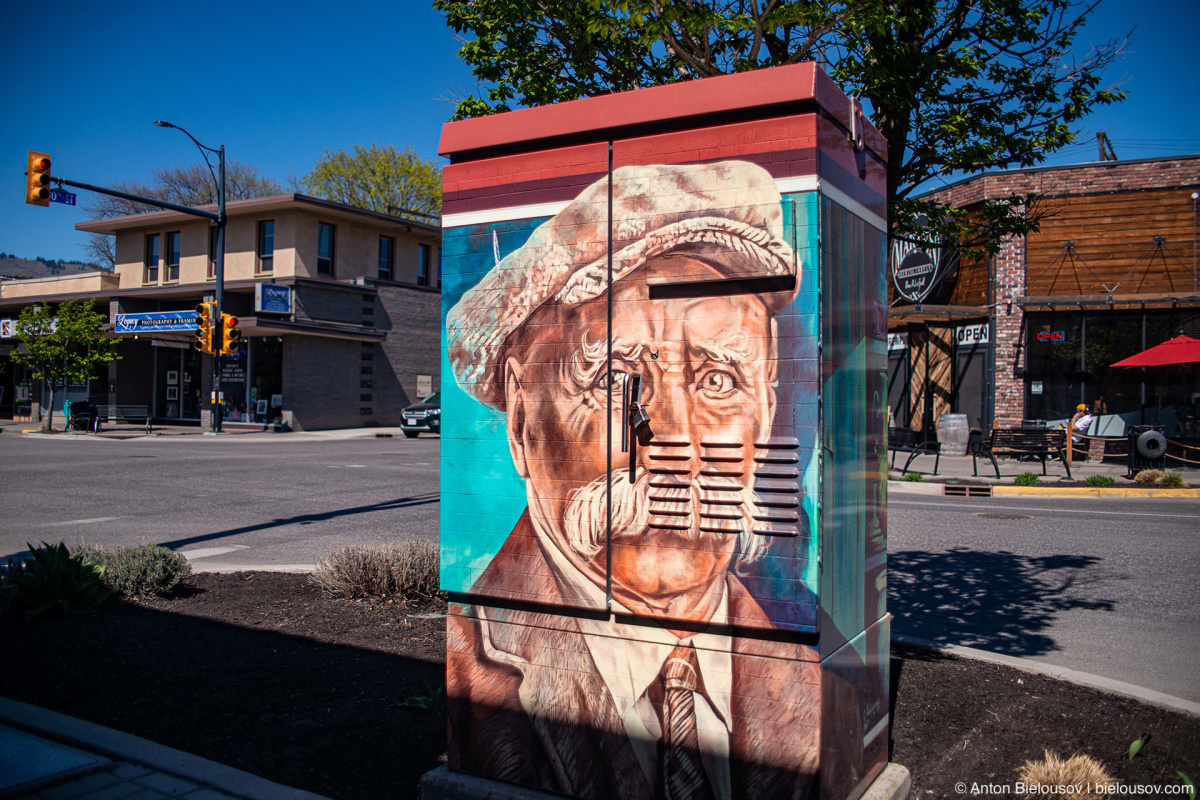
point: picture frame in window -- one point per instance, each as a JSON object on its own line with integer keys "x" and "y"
{"x": 261, "y": 407}
{"x": 172, "y": 393}
{"x": 172, "y": 377}
{"x": 277, "y": 400}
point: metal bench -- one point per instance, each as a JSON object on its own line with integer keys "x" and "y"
{"x": 1036, "y": 444}
{"x": 119, "y": 413}
{"x": 904, "y": 440}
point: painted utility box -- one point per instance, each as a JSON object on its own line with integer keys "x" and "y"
{"x": 663, "y": 461}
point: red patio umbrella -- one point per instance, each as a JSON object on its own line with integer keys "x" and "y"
{"x": 1180, "y": 350}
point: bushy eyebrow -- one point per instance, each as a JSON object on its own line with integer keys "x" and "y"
{"x": 589, "y": 361}
{"x": 737, "y": 349}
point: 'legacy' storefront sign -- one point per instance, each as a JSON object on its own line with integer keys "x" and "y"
{"x": 270, "y": 298}
{"x": 155, "y": 321}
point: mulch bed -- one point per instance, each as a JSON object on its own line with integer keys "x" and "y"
{"x": 261, "y": 672}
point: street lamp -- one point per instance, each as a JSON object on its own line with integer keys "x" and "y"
{"x": 218, "y": 257}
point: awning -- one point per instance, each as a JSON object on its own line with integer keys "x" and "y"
{"x": 1180, "y": 350}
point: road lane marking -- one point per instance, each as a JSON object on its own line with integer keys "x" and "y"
{"x": 209, "y": 552}
{"x": 347, "y": 466}
{"x": 91, "y": 521}
{"x": 952, "y": 506}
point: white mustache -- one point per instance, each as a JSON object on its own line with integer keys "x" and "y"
{"x": 635, "y": 506}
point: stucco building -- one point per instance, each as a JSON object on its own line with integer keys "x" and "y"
{"x": 338, "y": 308}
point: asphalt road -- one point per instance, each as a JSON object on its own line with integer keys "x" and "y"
{"x": 1106, "y": 586}
{"x": 223, "y": 500}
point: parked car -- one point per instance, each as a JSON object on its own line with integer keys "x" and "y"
{"x": 425, "y": 416}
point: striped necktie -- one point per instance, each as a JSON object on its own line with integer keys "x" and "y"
{"x": 681, "y": 769}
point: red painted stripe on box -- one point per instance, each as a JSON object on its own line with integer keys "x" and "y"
{"x": 719, "y": 142}
{"x": 586, "y": 159}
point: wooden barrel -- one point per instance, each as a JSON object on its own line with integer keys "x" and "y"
{"x": 952, "y": 433}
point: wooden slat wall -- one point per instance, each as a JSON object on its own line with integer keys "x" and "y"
{"x": 1112, "y": 232}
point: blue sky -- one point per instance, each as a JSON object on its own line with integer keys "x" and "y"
{"x": 279, "y": 84}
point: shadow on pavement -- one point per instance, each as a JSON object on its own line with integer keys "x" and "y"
{"x": 996, "y": 601}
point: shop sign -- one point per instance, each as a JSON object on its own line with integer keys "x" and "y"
{"x": 155, "y": 321}
{"x": 897, "y": 341}
{"x": 968, "y": 335}
{"x": 1052, "y": 336}
{"x": 8, "y": 329}
{"x": 424, "y": 385}
{"x": 270, "y": 298}
{"x": 1035, "y": 387}
{"x": 919, "y": 267}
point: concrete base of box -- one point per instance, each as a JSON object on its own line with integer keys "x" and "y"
{"x": 442, "y": 784}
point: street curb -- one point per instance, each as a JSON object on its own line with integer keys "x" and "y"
{"x": 1061, "y": 673}
{"x": 126, "y": 747}
{"x": 230, "y": 568}
{"x": 937, "y": 490}
{"x": 1092, "y": 491}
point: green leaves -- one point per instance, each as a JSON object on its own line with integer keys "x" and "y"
{"x": 425, "y": 702}
{"x": 378, "y": 178}
{"x": 1138, "y": 744}
{"x": 56, "y": 581}
{"x": 956, "y": 88}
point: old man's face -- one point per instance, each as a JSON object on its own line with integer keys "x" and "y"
{"x": 707, "y": 367}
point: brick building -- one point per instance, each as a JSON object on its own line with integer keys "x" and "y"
{"x": 1030, "y": 333}
{"x": 339, "y": 310}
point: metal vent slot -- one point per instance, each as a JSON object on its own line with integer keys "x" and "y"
{"x": 716, "y": 471}
{"x": 776, "y": 457}
{"x": 718, "y": 483}
{"x": 777, "y": 516}
{"x": 776, "y": 472}
{"x": 670, "y": 523}
{"x": 770, "y": 485}
{"x": 713, "y": 457}
{"x": 775, "y": 530}
{"x": 674, "y": 507}
{"x": 669, "y": 481}
{"x": 785, "y": 501}
{"x": 722, "y": 498}
{"x": 780, "y": 443}
{"x": 720, "y": 443}
{"x": 676, "y": 455}
{"x": 664, "y": 469}
{"x": 721, "y": 512}
{"x": 659, "y": 442}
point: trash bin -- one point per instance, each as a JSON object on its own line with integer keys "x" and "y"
{"x": 82, "y": 415}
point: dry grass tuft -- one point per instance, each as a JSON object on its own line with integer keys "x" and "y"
{"x": 408, "y": 571}
{"x": 1079, "y": 777}
{"x": 1149, "y": 476}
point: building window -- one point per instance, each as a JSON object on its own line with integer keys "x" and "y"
{"x": 325, "y": 249}
{"x": 387, "y": 245}
{"x": 423, "y": 264}
{"x": 150, "y": 275}
{"x": 173, "y": 240}
{"x": 212, "y": 253}
{"x": 266, "y": 245}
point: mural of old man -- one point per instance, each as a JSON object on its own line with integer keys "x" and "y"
{"x": 611, "y": 660}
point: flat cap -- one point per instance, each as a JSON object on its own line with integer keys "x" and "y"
{"x": 731, "y": 206}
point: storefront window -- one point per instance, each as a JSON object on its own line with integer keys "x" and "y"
{"x": 1053, "y": 380}
{"x": 176, "y": 383}
{"x": 252, "y": 382}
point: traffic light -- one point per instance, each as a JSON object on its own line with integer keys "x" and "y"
{"x": 204, "y": 329}
{"x": 231, "y": 337}
{"x": 37, "y": 179}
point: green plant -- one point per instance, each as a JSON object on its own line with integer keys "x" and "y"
{"x": 408, "y": 570}
{"x": 1099, "y": 480}
{"x": 57, "y": 581}
{"x": 425, "y": 702}
{"x": 1173, "y": 480}
{"x": 1136, "y": 746}
{"x": 1149, "y": 477}
{"x": 912, "y": 477}
{"x": 1188, "y": 782}
{"x": 1026, "y": 479}
{"x": 139, "y": 571}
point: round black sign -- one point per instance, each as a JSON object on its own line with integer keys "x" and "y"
{"x": 914, "y": 276}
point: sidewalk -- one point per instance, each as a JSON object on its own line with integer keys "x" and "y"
{"x": 242, "y": 432}
{"x": 49, "y": 756}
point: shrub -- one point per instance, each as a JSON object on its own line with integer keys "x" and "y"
{"x": 408, "y": 570}
{"x": 1026, "y": 479}
{"x": 1099, "y": 480}
{"x": 1084, "y": 774}
{"x": 1149, "y": 477}
{"x": 912, "y": 477}
{"x": 57, "y": 581}
{"x": 1173, "y": 480}
{"x": 139, "y": 571}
